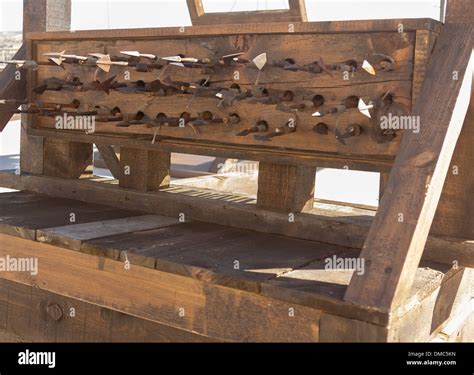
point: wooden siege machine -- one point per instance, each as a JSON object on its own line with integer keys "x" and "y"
{"x": 426, "y": 212}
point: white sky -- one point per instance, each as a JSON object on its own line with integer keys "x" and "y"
{"x": 103, "y": 14}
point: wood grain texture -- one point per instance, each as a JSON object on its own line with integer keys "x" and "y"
{"x": 178, "y": 301}
{"x": 335, "y": 47}
{"x": 72, "y": 236}
{"x": 144, "y": 170}
{"x": 284, "y": 188}
{"x": 382, "y": 25}
{"x": 11, "y": 88}
{"x": 295, "y": 13}
{"x": 80, "y": 322}
{"x": 393, "y": 248}
{"x": 65, "y": 159}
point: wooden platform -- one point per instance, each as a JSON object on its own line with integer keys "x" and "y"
{"x": 132, "y": 276}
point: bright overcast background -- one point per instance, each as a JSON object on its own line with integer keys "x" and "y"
{"x": 103, "y": 14}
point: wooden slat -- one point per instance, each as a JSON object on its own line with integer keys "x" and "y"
{"x": 144, "y": 170}
{"x": 285, "y": 188}
{"x": 110, "y": 158}
{"x": 393, "y": 249}
{"x": 72, "y": 236}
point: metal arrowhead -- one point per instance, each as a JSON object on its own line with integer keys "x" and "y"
{"x": 364, "y": 108}
{"x": 260, "y": 61}
{"x": 368, "y": 68}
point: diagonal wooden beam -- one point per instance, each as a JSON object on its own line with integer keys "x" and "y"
{"x": 12, "y": 88}
{"x": 110, "y": 158}
{"x": 396, "y": 240}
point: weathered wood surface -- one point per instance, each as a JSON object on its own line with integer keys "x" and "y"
{"x": 381, "y": 25}
{"x": 22, "y": 213}
{"x": 334, "y": 47}
{"x": 110, "y": 158}
{"x": 178, "y": 301}
{"x": 295, "y": 13}
{"x": 237, "y": 211}
{"x": 394, "y": 247}
{"x": 285, "y": 188}
{"x": 24, "y": 317}
{"x": 11, "y": 88}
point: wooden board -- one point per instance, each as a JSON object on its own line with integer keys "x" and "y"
{"x": 335, "y": 46}
{"x": 22, "y": 214}
{"x": 79, "y": 322}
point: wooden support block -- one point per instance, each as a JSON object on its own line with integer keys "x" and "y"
{"x": 397, "y": 238}
{"x": 285, "y": 188}
{"x": 144, "y": 170}
{"x": 65, "y": 159}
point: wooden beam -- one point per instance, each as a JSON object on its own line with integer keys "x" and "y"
{"x": 455, "y": 214}
{"x": 285, "y": 188}
{"x": 110, "y": 158}
{"x": 12, "y": 88}
{"x": 144, "y": 170}
{"x": 398, "y": 235}
{"x": 295, "y": 13}
{"x": 460, "y": 11}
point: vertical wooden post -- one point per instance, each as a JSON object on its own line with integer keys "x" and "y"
{"x": 58, "y": 158}
{"x": 455, "y": 214}
{"x": 285, "y": 188}
{"x": 144, "y": 170}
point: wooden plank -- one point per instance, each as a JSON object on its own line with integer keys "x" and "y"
{"x": 110, "y": 158}
{"x": 384, "y": 176}
{"x": 335, "y": 89}
{"x": 393, "y": 248}
{"x": 212, "y": 253}
{"x": 284, "y": 188}
{"x": 374, "y": 163}
{"x": 237, "y": 211}
{"x": 182, "y": 302}
{"x": 144, "y": 170}
{"x": 72, "y": 236}
{"x": 22, "y": 214}
{"x": 80, "y": 321}
{"x": 256, "y": 28}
